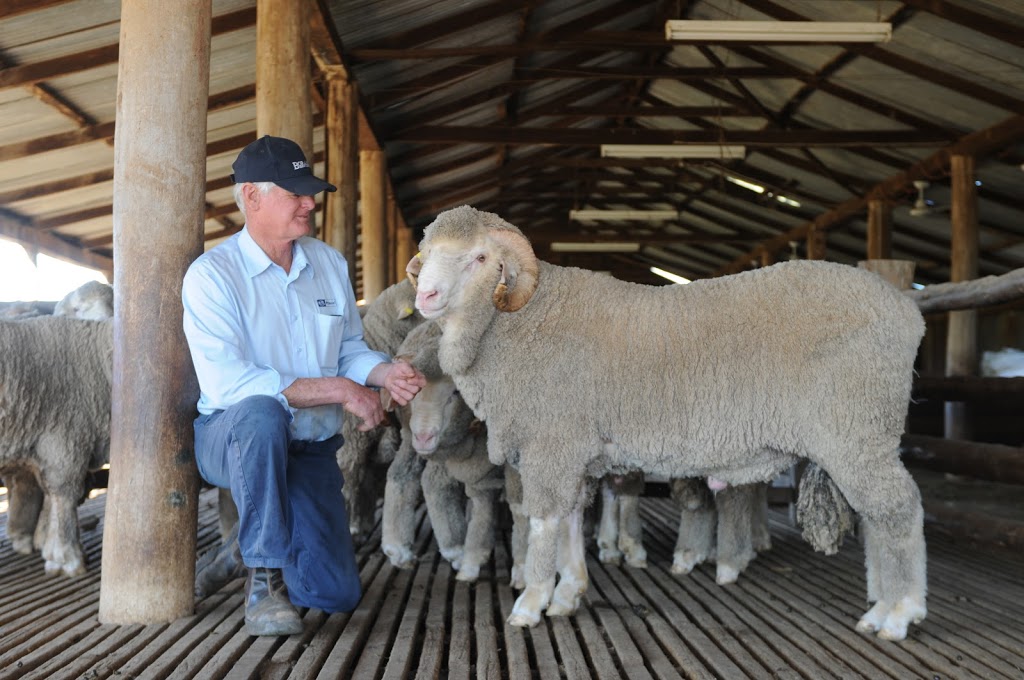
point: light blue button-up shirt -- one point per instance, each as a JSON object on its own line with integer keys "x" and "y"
{"x": 252, "y": 329}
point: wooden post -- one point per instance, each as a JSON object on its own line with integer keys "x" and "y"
{"x": 405, "y": 248}
{"x": 962, "y": 335}
{"x": 149, "y": 540}
{"x": 391, "y": 247}
{"x": 767, "y": 258}
{"x": 816, "y": 243}
{"x": 879, "y": 229}
{"x": 374, "y": 223}
{"x": 341, "y": 213}
{"x": 283, "y": 80}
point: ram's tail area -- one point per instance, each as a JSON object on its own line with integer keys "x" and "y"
{"x": 822, "y": 512}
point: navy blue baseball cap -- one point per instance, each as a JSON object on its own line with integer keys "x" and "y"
{"x": 281, "y": 161}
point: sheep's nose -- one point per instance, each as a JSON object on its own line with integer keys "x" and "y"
{"x": 424, "y": 297}
{"x": 425, "y": 440}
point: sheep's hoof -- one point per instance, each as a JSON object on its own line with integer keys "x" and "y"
{"x": 684, "y": 562}
{"x": 454, "y": 556}
{"x": 899, "y": 617}
{"x": 523, "y": 619}
{"x": 637, "y": 558}
{"x": 726, "y": 574}
{"x": 873, "y": 620}
{"x": 468, "y": 572}
{"x": 516, "y": 579}
{"x": 399, "y": 556}
{"x": 73, "y": 568}
{"x": 610, "y": 556}
{"x": 22, "y": 544}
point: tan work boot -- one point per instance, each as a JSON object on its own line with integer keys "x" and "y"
{"x": 268, "y": 611}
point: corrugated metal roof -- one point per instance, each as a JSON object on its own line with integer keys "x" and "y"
{"x": 504, "y": 104}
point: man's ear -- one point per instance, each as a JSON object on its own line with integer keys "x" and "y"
{"x": 251, "y": 195}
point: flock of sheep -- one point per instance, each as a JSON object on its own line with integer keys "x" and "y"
{"x": 546, "y": 383}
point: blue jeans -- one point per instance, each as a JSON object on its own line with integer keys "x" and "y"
{"x": 291, "y": 512}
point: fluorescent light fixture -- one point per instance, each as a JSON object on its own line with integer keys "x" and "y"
{"x": 674, "y": 278}
{"x": 596, "y": 247}
{"x": 641, "y": 215}
{"x": 720, "y": 151}
{"x": 778, "y": 31}
{"x": 756, "y": 188}
{"x": 788, "y": 201}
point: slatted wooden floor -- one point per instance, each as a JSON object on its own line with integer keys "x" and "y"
{"x": 790, "y": 616}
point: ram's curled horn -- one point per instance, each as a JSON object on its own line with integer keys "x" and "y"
{"x": 412, "y": 270}
{"x": 519, "y": 271}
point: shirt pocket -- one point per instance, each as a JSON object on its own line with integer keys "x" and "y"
{"x": 330, "y": 330}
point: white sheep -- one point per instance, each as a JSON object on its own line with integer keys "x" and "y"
{"x": 1007, "y": 362}
{"x": 366, "y": 457}
{"x": 729, "y": 526}
{"x": 735, "y": 378}
{"x": 26, "y": 501}
{"x": 55, "y": 384}
{"x": 460, "y": 485}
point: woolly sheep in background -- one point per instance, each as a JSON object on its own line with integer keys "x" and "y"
{"x": 26, "y": 502}
{"x": 734, "y": 378}
{"x": 55, "y": 383}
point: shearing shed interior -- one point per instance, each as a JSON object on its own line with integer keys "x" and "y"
{"x": 639, "y": 138}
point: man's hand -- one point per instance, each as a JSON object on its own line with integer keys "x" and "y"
{"x": 400, "y": 379}
{"x": 363, "y": 403}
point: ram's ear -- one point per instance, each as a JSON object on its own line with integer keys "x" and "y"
{"x": 412, "y": 270}
{"x": 386, "y": 401}
{"x": 519, "y": 270}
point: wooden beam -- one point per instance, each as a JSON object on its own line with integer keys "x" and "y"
{"x": 879, "y": 246}
{"x": 12, "y": 8}
{"x": 993, "y": 462}
{"x": 49, "y": 244}
{"x": 976, "y": 21}
{"x": 105, "y": 55}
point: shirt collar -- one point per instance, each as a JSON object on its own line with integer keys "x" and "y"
{"x": 257, "y": 261}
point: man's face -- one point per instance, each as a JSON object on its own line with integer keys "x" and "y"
{"x": 280, "y": 214}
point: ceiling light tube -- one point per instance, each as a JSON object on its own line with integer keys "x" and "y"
{"x": 596, "y": 247}
{"x": 642, "y": 215}
{"x": 693, "y": 30}
{"x": 720, "y": 151}
{"x": 674, "y": 278}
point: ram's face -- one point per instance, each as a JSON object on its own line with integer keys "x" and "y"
{"x": 447, "y": 267}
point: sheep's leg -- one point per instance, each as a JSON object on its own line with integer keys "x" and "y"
{"x": 520, "y": 526}
{"x": 479, "y": 535}
{"x": 401, "y": 494}
{"x": 631, "y": 531}
{"x": 446, "y": 507}
{"x": 42, "y": 525}
{"x": 761, "y": 537}
{"x": 886, "y": 497}
{"x": 695, "y": 542}
{"x": 63, "y": 548}
{"x": 735, "y": 549}
{"x": 25, "y": 501}
{"x": 227, "y": 513}
{"x": 608, "y": 527}
{"x": 539, "y": 572}
{"x": 572, "y": 566}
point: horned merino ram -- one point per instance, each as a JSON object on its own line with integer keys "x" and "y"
{"x": 734, "y": 378}
{"x": 55, "y": 382}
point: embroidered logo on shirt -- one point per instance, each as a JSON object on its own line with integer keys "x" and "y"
{"x": 321, "y": 302}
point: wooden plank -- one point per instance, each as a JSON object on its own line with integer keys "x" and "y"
{"x": 74, "y": 659}
{"x": 31, "y": 657}
{"x": 488, "y": 663}
{"x": 574, "y": 663}
{"x": 401, "y": 658}
{"x": 432, "y": 645}
{"x": 517, "y": 658}
{"x": 607, "y": 603}
{"x": 459, "y": 645}
{"x": 602, "y": 664}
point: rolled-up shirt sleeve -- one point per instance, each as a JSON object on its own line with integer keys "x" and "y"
{"x": 216, "y": 341}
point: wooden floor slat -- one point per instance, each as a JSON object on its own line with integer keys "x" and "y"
{"x": 791, "y": 615}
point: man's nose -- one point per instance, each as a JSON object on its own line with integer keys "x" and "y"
{"x": 308, "y": 202}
